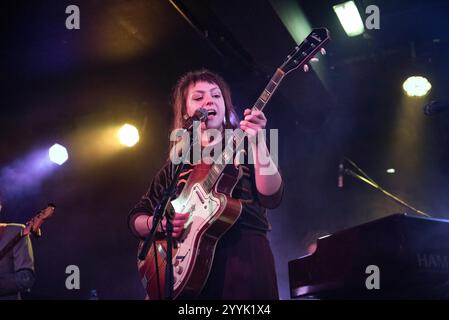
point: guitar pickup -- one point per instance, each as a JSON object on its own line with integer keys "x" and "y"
{"x": 200, "y": 196}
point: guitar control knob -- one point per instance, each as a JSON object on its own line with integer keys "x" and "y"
{"x": 179, "y": 269}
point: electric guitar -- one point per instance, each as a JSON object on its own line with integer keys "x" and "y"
{"x": 32, "y": 227}
{"x": 207, "y": 197}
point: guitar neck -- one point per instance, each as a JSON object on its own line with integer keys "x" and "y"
{"x": 10, "y": 245}
{"x": 32, "y": 227}
{"x": 262, "y": 101}
{"x": 269, "y": 90}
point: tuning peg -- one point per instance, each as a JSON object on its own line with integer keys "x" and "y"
{"x": 323, "y": 51}
{"x": 314, "y": 59}
{"x": 306, "y": 68}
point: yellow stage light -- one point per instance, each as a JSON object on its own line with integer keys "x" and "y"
{"x": 416, "y": 86}
{"x": 128, "y": 135}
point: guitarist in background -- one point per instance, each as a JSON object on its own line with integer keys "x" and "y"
{"x": 17, "y": 267}
{"x": 243, "y": 266}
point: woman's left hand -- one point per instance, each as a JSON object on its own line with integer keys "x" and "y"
{"x": 253, "y": 122}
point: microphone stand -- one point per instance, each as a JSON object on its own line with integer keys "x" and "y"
{"x": 158, "y": 215}
{"x": 372, "y": 183}
{"x": 160, "y": 212}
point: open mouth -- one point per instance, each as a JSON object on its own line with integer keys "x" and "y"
{"x": 212, "y": 113}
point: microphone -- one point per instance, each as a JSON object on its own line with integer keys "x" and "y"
{"x": 341, "y": 173}
{"x": 436, "y": 106}
{"x": 199, "y": 115}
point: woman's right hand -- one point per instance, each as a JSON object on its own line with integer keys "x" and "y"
{"x": 179, "y": 220}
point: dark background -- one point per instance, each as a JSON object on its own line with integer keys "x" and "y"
{"x": 67, "y": 86}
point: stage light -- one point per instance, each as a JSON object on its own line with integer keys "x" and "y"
{"x": 416, "y": 86}
{"x": 349, "y": 17}
{"x": 391, "y": 171}
{"x": 128, "y": 135}
{"x": 58, "y": 154}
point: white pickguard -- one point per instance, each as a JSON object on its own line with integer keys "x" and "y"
{"x": 199, "y": 204}
{"x": 202, "y": 207}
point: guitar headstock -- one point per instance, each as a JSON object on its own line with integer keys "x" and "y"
{"x": 33, "y": 226}
{"x": 305, "y": 51}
